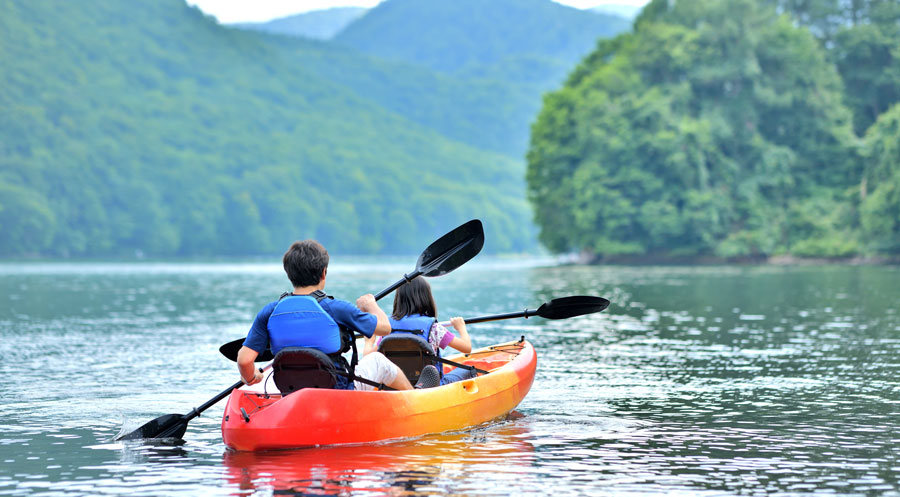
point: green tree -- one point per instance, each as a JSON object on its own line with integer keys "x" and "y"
{"x": 698, "y": 134}
{"x": 26, "y": 223}
{"x": 862, "y": 38}
{"x": 880, "y": 208}
{"x": 868, "y": 58}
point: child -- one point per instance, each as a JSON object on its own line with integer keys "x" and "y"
{"x": 414, "y": 309}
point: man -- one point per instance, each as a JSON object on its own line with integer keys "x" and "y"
{"x": 307, "y": 318}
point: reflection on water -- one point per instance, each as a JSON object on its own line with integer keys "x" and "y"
{"x": 696, "y": 380}
{"x": 437, "y": 464}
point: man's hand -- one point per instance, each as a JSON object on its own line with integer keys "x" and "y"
{"x": 257, "y": 377}
{"x": 366, "y": 303}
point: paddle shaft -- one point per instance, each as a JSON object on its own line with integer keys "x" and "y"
{"x": 527, "y": 313}
{"x": 561, "y": 308}
{"x": 174, "y": 425}
{"x": 211, "y": 402}
{"x": 224, "y": 393}
{"x": 406, "y": 279}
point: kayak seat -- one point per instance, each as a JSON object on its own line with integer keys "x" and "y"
{"x": 411, "y": 353}
{"x": 295, "y": 368}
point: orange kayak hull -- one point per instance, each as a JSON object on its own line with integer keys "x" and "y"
{"x": 315, "y": 417}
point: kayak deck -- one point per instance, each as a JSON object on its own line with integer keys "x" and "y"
{"x": 258, "y": 417}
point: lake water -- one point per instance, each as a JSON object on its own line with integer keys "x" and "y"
{"x": 696, "y": 381}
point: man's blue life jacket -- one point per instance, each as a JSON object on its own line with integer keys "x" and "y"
{"x": 299, "y": 321}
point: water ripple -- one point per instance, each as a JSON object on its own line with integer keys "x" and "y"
{"x": 696, "y": 381}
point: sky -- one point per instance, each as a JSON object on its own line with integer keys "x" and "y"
{"x": 229, "y": 11}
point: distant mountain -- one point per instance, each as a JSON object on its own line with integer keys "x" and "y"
{"x": 150, "y": 127}
{"x": 317, "y": 24}
{"x": 146, "y": 126}
{"x": 512, "y": 40}
{"x": 626, "y": 11}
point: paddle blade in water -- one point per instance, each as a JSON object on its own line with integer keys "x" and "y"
{"x": 452, "y": 250}
{"x": 168, "y": 426}
{"x": 567, "y": 307}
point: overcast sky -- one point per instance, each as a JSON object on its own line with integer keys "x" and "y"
{"x": 228, "y": 11}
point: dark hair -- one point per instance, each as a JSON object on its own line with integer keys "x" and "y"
{"x": 414, "y": 298}
{"x": 305, "y": 262}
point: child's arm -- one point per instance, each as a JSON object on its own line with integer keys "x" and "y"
{"x": 461, "y": 343}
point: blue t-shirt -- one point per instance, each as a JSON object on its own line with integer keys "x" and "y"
{"x": 344, "y": 314}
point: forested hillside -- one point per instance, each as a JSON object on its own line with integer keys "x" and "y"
{"x": 145, "y": 126}
{"x": 721, "y": 128}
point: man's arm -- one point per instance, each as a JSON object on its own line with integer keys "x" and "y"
{"x": 257, "y": 339}
{"x": 246, "y": 366}
{"x": 367, "y": 303}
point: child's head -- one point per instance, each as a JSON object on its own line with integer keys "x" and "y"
{"x": 414, "y": 298}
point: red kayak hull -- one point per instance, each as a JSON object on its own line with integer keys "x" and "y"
{"x": 315, "y": 417}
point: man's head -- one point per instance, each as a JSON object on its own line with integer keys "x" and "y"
{"x": 305, "y": 263}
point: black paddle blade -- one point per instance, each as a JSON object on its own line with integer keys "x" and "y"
{"x": 168, "y": 426}
{"x": 567, "y": 307}
{"x": 452, "y": 250}
{"x": 231, "y": 349}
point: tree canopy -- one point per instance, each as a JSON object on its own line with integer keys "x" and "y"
{"x": 717, "y": 128}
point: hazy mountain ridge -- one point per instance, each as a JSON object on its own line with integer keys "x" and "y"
{"x": 190, "y": 138}
{"x": 449, "y": 36}
{"x": 507, "y": 52}
{"x": 621, "y": 10}
{"x": 317, "y": 24}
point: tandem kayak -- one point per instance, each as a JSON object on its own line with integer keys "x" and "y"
{"x": 258, "y": 417}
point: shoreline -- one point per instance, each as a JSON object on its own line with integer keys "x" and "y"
{"x": 776, "y": 260}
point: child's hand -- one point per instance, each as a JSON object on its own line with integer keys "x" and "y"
{"x": 458, "y": 323}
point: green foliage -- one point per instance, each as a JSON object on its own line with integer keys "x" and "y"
{"x": 868, "y": 58}
{"x": 880, "y": 209}
{"x": 25, "y": 220}
{"x": 862, "y": 38}
{"x": 716, "y": 128}
{"x": 145, "y": 126}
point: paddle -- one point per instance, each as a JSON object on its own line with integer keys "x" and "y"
{"x": 444, "y": 255}
{"x": 561, "y": 308}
